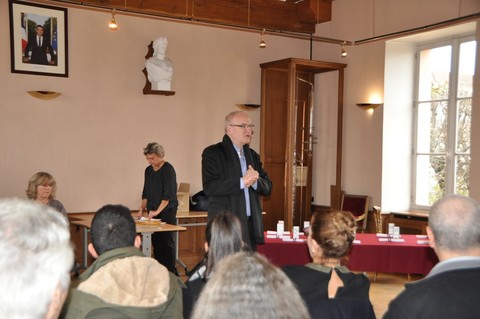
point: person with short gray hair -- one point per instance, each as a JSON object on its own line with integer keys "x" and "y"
{"x": 36, "y": 257}
{"x": 450, "y": 288}
{"x": 159, "y": 201}
{"x": 233, "y": 177}
{"x": 247, "y": 285}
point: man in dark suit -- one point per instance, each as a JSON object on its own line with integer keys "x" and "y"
{"x": 38, "y": 49}
{"x": 450, "y": 289}
{"x": 233, "y": 177}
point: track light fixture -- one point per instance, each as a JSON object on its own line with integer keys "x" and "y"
{"x": 262, "y": 44}
{"x": 113, "y": 24}
{"x": 344, "y": 52}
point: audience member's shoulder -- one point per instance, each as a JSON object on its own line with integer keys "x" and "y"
{"x": 297, "y": 271}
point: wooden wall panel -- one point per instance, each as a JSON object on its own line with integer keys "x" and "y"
{"x": 273, "y": 15}
{"x": 225, "y": 11}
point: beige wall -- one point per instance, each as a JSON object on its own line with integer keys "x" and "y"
{"x": 91, "y": 137}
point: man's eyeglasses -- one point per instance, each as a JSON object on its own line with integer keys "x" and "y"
{"x": 244, "y": 126}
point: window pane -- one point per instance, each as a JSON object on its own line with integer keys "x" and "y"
{"x": 466, "y": 69}
{"x": 462, "y": 175}
{"x": 464, "y": 121}
{"x": 434, "y": 73}
{"x": 432, "y": 127}
{"x": 430, "y": 182}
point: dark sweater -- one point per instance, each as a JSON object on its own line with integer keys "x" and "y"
{"x": 351, "y": 301}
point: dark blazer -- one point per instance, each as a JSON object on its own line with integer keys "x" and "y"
{"x": 221, "y": 173}
{"x": 39, "y": 53}
{"x": 450, "y": 294}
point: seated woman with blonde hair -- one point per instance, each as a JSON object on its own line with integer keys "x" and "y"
{"x": 42, "y": 188}
{"x": 328, "y": 287}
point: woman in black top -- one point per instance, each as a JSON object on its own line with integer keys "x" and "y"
{"x": 159, "y": 199}
{"x": 328, "y": 287}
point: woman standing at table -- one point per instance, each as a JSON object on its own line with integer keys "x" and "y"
{"x": 159, "y": 199}
{"x": 329, "y": 289}
{"x": 42, "y": 188}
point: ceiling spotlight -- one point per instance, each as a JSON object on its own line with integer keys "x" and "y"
{"x": 262, "y": 44}
{"x": 344, "y": 52}
{"x": 113, "y": 24}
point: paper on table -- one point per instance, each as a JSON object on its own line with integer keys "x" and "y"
{"x": 357, "y": 241}
{"x": 291, "y": 239}
{"x": 423, "y": 242}
{"x": 395, "y": 240}
{"x": 146, "y": 221}
{"x": 271, "y": 236}
{"x": 274, "y": 232}
{"x": 382, "y": 235}
{"x": 421, "y": 236}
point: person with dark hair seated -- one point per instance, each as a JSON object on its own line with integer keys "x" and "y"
{"x": 329, "y": 289}
{"x": 122, "y": 282}
{"x": 224, "y": 237}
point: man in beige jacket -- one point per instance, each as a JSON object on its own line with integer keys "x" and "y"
{"x": 122, "y": 282}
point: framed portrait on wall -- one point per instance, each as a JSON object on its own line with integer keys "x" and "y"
{"x": 38, "y": 39}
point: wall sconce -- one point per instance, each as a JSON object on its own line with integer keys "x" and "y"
{"x": 262, "y": 44}
{"x": 343, "y": 52}
{"x": 369, "y": 106}
{"x": 44, "y": 95}
{"x": 248, "y": 107}
{"x": 113, "y": 24}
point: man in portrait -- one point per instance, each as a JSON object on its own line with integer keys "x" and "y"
{"x": 39, "y": 49}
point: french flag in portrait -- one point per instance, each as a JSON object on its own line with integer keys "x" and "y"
{"x": 24, "y": 29}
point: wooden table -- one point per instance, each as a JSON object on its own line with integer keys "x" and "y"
{"x": 370, "y": 255}
{"x": 186, "y": 216}
{"x": 143, "y": 228}
{"x": 410, "y": 222}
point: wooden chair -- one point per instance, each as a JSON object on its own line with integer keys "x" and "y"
{"x": 377, "y": 213}
{"x": 358, "y": 206}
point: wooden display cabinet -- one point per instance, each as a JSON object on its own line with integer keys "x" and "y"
{"x": 286, "y": 137}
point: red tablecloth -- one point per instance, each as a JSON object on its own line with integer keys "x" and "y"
{"x": 369, "y": 255}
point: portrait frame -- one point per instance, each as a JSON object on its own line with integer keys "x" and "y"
{"x": 48, "y": 56}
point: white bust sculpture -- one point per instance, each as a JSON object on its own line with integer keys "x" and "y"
{"x": 159, "y": 67}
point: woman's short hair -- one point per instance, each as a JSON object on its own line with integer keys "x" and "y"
{"x": 247, "y": 285}
{"x": 154, "y": 148}
{"x": 224, "y": 237}
{"x": 41, "y": 178}
{"x": 334, "y": 232}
